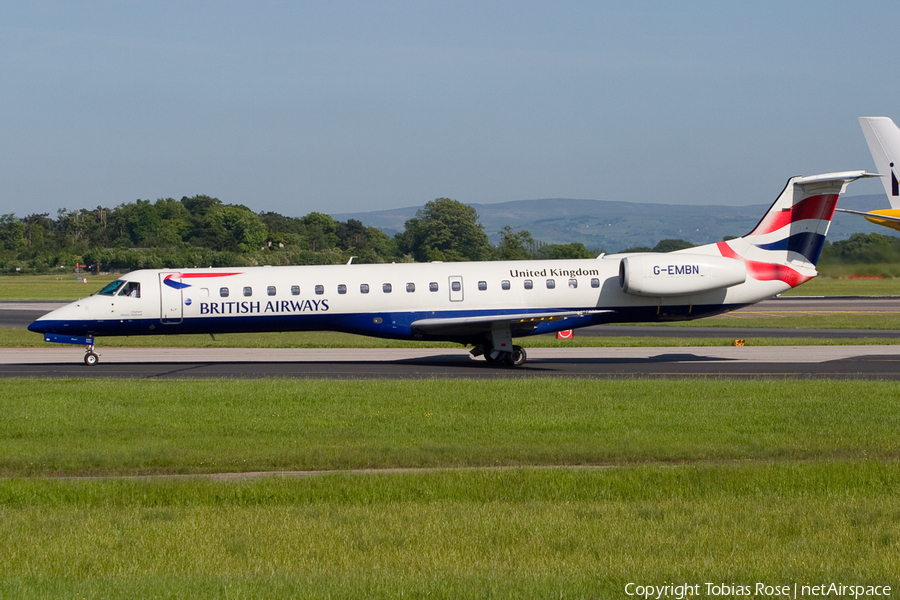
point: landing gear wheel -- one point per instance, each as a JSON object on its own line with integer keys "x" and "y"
{"x": 517, "y": 357}
{"x": 90, "y": 359}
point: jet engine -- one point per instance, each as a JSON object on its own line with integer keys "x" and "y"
{"x": 676, "y": 274}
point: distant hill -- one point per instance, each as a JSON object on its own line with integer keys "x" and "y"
{"x": 614, "y": 226}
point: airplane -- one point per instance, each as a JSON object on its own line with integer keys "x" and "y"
{"x": 482, "y": 304}
{"x": 883, "y": 138}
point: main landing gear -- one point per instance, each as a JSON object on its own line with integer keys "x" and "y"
{"x": 516, "y": 358}
{"x": 498, "y": 348}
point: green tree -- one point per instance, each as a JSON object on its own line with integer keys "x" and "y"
{"x": 237, "y": 228}
{"x": 672, "y": 245}
{"x": 320, "y": 231}
{"x": 514, "y": 244}
{"x": 36, "y": 225}
{"x": 445, "y": 230}
{"x": 12, "y": 233}
{"x": 863, "y": 248}
{"x": 200, "y": 209}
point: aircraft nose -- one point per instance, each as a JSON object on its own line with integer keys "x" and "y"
{"x": 47, "y": 323}
{"x": 38, "y": 326}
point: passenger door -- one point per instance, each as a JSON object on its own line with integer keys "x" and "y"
{"x": 170, "y": 298}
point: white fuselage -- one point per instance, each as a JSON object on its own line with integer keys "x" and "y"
{"x": 384, "y": 300}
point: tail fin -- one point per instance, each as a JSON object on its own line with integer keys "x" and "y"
{"x": 883, "y": 138}
{"x": 786, "y": 243}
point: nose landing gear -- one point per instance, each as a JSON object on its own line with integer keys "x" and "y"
{"x": 91, "y": 358}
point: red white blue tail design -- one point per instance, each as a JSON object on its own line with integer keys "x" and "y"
{"x": 786, "y": 243}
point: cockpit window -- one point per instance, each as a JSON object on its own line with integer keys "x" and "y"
{"x": 132, "y": 289}
{"x": 112, "y": 288}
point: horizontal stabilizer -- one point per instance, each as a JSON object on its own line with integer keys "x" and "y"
{"x": 843, "y": 177}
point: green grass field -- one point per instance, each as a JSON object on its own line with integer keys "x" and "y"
{"x": 831, "y": 286}
{"x": 532, "y": 489}
{"x": 438, "y": 489}
{"x": 114, "y": 427}
{"x": 517, "y": 534}
{"x": 50, "y": 287}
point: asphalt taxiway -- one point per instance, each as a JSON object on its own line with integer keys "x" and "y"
{"x": 865, "y": 362}
{"x": 845, "y": 362}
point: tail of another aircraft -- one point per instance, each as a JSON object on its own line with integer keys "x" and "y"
{"x": 883, "y": 138}
{"x": 786, "y": 243}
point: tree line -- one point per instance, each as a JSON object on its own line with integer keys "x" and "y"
{"x": 203, "y": 231}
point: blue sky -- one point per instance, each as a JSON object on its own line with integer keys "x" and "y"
{"x": 355, "y": 106}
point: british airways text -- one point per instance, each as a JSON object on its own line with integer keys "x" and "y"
{"x": 245, "y": 308}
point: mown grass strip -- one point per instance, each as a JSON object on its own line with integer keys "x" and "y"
{"x": 517, "y": 534}
{"x": 51, "y": 287}
{"x": 839, "y": 284}
{"x": 128, "y": 427}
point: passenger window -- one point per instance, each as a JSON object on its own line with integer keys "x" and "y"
{"x": 386, "y": 288}
{"x": 595, "y": 283}
{"x": 482, "y": 285}
{"x": 573, "y": 283}
{"x": 529, "y": 284}
{"x": 364, "y": 288}
{"x": 132, "y": 289}
{"x": 551, "y": 283}
{"x": 320, "y": 289}
{"x": 504, "y": 284}
{"x": 248, "y": 291}
{"x": 433, "y": 286}
{"x": 270, "y": 290}
{"x": 295, "y": 290}
{"x": 410, "y": 287}
{"x": 455, "y": 286}
{"x": 223, "y": 292}
{"x": 342, "y": 289}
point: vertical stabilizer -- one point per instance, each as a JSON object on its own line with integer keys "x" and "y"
{"x": 883, "y": 138}
{"x": 786, "y": 243}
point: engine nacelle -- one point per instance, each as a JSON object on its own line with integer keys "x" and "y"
{"x": 676, "y": 274}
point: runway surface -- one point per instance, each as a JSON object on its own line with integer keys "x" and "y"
{"x": 866, "y": 362}
{"x": 850, "y": 362}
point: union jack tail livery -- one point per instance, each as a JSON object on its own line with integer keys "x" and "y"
{"x": 786, "y": 243}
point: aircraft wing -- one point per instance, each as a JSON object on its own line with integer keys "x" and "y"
{"x": 469, "y": 325}
{"x": 870, "y": 215}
